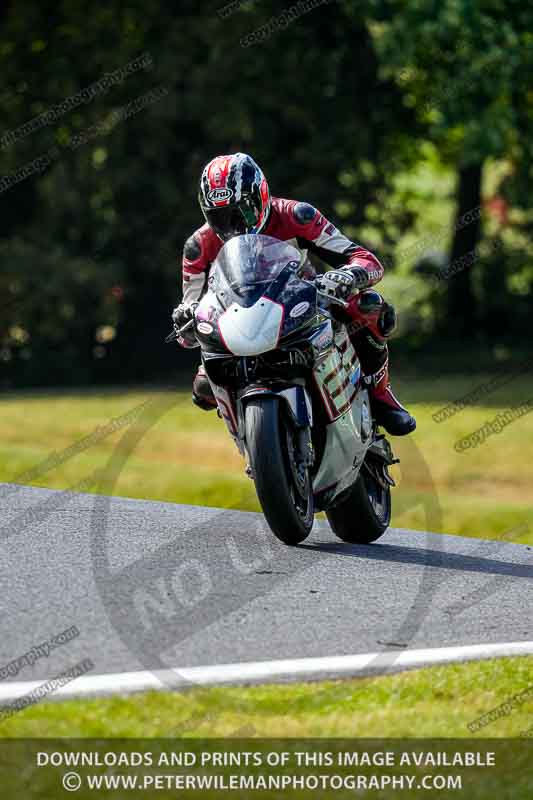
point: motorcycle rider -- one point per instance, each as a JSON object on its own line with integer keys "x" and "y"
{"x": 235, "y": 199}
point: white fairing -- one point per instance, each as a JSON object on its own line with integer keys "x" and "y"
{"x": 251, "y": 331}
{"x": 345, "y": 447}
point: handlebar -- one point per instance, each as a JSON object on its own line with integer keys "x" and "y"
{"x": 331, "y": 297}
{"x": 173, "y": 335}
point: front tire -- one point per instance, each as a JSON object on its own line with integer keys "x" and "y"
{"x": 284, "y": 489}
{"x": 364, "y": 514}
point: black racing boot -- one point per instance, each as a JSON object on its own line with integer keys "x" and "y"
{"x": 387, "y": 410}
{"x": 202, "y": 394}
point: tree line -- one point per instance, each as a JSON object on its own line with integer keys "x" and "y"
{"x": 340, "y": 104}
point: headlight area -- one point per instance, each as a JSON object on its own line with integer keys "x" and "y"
{"x": 283, "y": 363}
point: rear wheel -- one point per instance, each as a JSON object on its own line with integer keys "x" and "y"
{"x": 282, "y": 482}
{"x": 365, "y": 512}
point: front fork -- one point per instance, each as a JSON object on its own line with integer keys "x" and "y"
{"x": 296, "y": 401}
{"x": 297, "y": 404}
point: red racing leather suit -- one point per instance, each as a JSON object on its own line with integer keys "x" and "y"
{"x": 369, "y": 318}
{"x": 290, "y": 221}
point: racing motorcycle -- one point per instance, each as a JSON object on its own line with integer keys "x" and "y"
{"x": 288, "y": 385}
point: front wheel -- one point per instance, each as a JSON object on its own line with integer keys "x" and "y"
{"x": 282, "y": 483}
{"x": 364, "y": 514}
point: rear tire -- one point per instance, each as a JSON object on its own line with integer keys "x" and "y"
{"x": 286, "y": 496}
{"x": 364, "y": 514}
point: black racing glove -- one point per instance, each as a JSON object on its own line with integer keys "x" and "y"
{"x": 181, "y": 316}
{"x": 360, "y": 277}
{"x": 341, "y": 283}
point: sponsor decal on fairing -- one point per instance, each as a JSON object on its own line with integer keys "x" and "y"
{"x": 299, "y": 309}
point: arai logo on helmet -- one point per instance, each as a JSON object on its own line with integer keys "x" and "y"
{"x": 299, "y": 309}
{"x": 217, "y": 195}
{"x": 205, "y": 328}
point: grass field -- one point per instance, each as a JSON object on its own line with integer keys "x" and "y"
{"x": 435, "y": 702}
{"x": 175, "y": 452}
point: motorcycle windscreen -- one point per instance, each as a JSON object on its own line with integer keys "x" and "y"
{"x": 247, "y": 265}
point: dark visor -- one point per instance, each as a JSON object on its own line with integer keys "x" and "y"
{"x": 233, "y": 220}
{"x": 227, "y": 221}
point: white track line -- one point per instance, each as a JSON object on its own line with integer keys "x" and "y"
{"x": 298, "y": 669}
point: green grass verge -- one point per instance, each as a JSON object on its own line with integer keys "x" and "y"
{"x": 185, "y": 455}
{"x": 433, "y": 702}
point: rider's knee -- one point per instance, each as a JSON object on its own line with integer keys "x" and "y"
{"x": 387, "y": 319}
{"x": 369, "y": 301}
{"x": 373, "y": 312}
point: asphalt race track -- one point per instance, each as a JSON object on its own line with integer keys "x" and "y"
{"x": 153, "y": 585}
